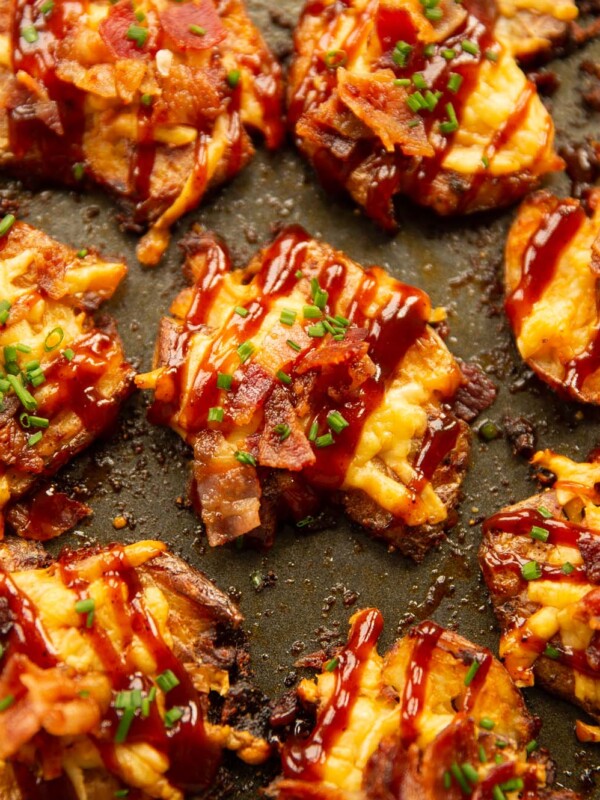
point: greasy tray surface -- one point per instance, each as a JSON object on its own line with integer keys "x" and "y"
{"x": 314, "y": 578}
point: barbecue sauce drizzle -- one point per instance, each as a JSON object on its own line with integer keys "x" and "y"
{"x": 60, "y": 136}
{"x": 394, "y": 172}
{"x": 519, "y": 522}
{"x": 193, "y": 759}
{"x": 304, "y": 758}
{"x": 389, "y": 335}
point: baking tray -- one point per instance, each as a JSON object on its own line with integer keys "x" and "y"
{"x": 317, "y": 579}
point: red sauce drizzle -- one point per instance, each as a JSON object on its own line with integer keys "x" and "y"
{"x": 541, "y": 258}
{"x": 584, "y": 365}
{"x": 439, "y": 440}
{"x": 304, "y": 759}
{"x": 427, "y": 635}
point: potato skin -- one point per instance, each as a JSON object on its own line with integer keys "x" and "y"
{"x": 398, "y": 456}
{"x": 412, "y": 714}
{"x": 554, "y": 310}
{"x": 358, "y": 126}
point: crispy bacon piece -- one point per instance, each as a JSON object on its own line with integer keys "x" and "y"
{"x": 552, "y": 271}
{"x": 73, "y": 374}
{"x": 305, "y": 376}
{"x": 550, "y": 622}
{"x": 154, "y": 102}
{"x": 470, "y": 131}
{"x": 425, "y": 721}
{"x": 109, "y": 657}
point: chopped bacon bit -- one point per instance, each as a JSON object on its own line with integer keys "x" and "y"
{"x": 113, "y": 30}
{"x": 351, "y": 348}
{"x": 295, "y": 453}
{"x": 47, "y": 515}
{"x": 177, "y": 21}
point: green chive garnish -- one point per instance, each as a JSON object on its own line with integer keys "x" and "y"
{"x": 5, "y": 225}
{"x": 531, "y": 571}
{"x": 216, "y": 414}
{"x": 167, "y": 680}
{"x": 551, "y": 652}
{"x": 567, "y": 568}
{"x": 330, "y": 665}
{"x": 224, "y": 381}
{"x": 245, "y": 458}
{"x": 325, "y": 440}
{"x": 287, "y": 317}
{"x": 470, "y": 47}
{"x": 336, "y": 421}
{"x": 294, "y": 345}
{"x": 283, "y": 431}
{"x": 472, "y": 671}
{"x": 243, "y": 312}
{"x": 244, "y": 351}
{"x": 233, "y": 77}
{"x": 172, "y": 716}
{"x": 284, "y": 377}
{"x": 54, "y": 338}
{"x": 7, "y": 702}
{"x": 541, "y": 534}
{"x": 30, "y": 34}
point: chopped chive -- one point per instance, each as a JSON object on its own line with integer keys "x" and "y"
{"x": 337, "y": 422}
{"x": 330, "y": 665}
{"x": 304, "y": 522}
{"x": 197, "y": 30}
{"x": 123, "y": 700}
{"x": 482, "y": 754}
{"x": 320, "y": 298}
{"x": 294, "y": 345}
{"x": 551, "y": 652}
{"x": 325, "y": 440}
{"x": 472, "y": 671}
{"x": 401, "y": 53}
{"x": 224, "y": 381}
{"x": 243, "y": 312}
{"x": 314, "y": 429}
{"x": 26, "y": 399}
{"x": 298, "y": 274}
{"x": 531, "y": 746}
{"x": 335, "y": 58}
{"x": 343, "y": 321}
{"x": 470, "y": 773}
{"x": 491, "y": 55}
{"x": 36, "y": 377}
{"x": 245, "y": 350}
{"x": 54, "y": 338}
{"x": 531, "y": 571}
{"x": 283, "y": 431}
{"x": 414, "y": 122}
{"x": 541, "y": 534}
{"x": 82, "y": 253}
{"x": 167, "y": 680}
{"x": 434, "y": 14}
{"x": 413, "y": 103}
{"x": 487, "y": 723}
{"x": 121, "y": 793}
{"x": 4, "y": 309}
{"x": 287, "y": 316}
{"x": 152, "y": 694}
{"x": 124, "y": 725}
{"x": 454, "y": 82}
{"x": 431, "y": 98}
{"x": 316, "y": 331}
{"x": 284, "y": 377}
{"x": 567, "y": 568}
{"x": 216, "y": 414}
{"x": 137, "y": 34}
{"x": 7, "y": 702}
{"x": 429, "y": 50}
{"x": 69, "y": 354}
{"x": 146, "y": 99}
{"x": 30, "y": 34}
{"x": 402, "y": 82}
{"x": 419, "y": 81}
{"x": 498, "y": 759}
{"x": 311, "y": 312}
{"x": 233, "y": 77}
{"x": 470, "y": 47}
{"x": 85, "y": 606}
{"x": 47, "y": 7}
{"x": 460, "y": 778}
{"x": 447, "y": 779}
{"x": 38, "y": 422}
{"x": 140, "y": 16}
{"x": 329, "y": 327}
{"x": 172, "y": 716}
{"x": 5, "y": 225}
{"x": 136, "y": 698}
{"x": 245, "y": 458}
{"x": 544, "y": 512}
{"x": 4, "y": 385}
{"x": 85, "y": 693}
{"x": 486, "y": 162}
{"x": 34, "y": 439}
{"x": 501, "y": 744}
{"x": 448, "y": 54}
{"x": 78, "y": 171}
{"x": 498, "y": 794}
{"x": 512, "y": 785}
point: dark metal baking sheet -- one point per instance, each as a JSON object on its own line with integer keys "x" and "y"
{"x": 142, "y": 472}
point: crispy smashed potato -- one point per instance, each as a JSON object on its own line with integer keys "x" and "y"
{"x": 108, "y": 658}
{"x": 551, "y": 274}
{"x": 62, "y": 379}
{"x": 152, "y": 100}
{"x": 303, "y": 379}
{"x": 435, "y": 718}
{"x": 541, "y": 562}
{"x": 532, "y": 28}
{"x": 395, "y": 97}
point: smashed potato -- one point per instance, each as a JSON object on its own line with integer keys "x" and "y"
{"x": 152, "y": 99}
{"x": 539, "y": 562}
{"x": 393, "y": 97}
{"x": 303, "y": 379}
{"x": 551, "y": 275}
{"x": 62, "y": 378}
{"x": 108, "y": 658}
{"x": 436, "y": 717}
